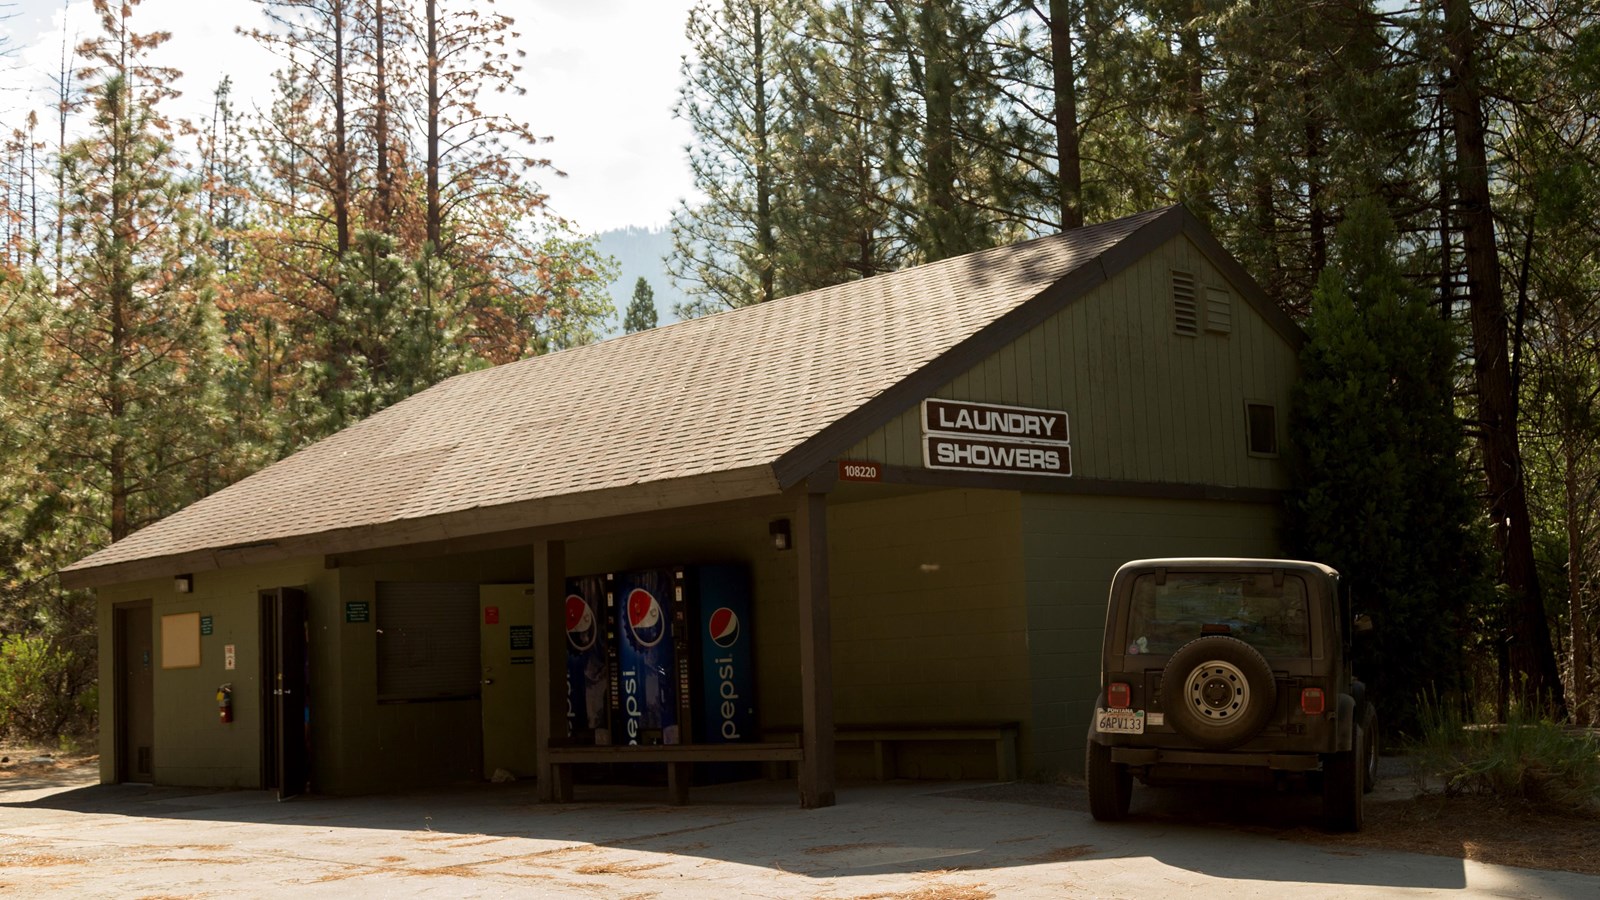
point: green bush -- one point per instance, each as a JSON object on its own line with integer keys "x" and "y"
{"x": 1528, "y": 759}
{"x": 38, "y": 697}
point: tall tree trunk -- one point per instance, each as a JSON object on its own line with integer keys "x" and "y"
{"x": 431, "y": 11}
{"x": 766, "y": 241}
{"x": 1572, "y": 481}
{"x": 341, "y": 154}
{"x": 1531, "y": 655}
{"x": 1068, "y": 162}
{"x": 381, "y": 136}
{"x": 939, "y": 142}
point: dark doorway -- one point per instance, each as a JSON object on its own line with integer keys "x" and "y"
{"x": 136, "y": 709}
{"x": 285, "y": 732}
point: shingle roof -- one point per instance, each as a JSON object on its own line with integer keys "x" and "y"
{"x": 730, "y": 391}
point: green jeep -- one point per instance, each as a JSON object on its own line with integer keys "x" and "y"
{"x": 1230, "y": 669}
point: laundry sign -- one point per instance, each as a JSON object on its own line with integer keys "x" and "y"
{"x": 989, "y": 437}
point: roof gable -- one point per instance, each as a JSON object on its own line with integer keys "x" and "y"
{"x": 777, "y": 388}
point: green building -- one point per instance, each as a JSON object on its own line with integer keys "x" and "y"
{"x": 930, "y": 475}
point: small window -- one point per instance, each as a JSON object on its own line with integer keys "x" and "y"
{"x": 1262, "y": 421}
{"x": 1185, "y": 304}
{"x": 1219, "y": 310}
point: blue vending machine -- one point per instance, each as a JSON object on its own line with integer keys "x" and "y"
{"x": 724, "y": 688}
{"x": 724, "y": 683}
{"x": 588, "y": 661}
{"x": 649, "y": 678}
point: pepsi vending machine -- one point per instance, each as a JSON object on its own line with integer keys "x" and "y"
{"x": 588, "y": 661}
{"x": 724, "y": 698}
{"x": 649, "y": 680}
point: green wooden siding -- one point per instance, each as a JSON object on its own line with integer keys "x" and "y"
{"x": 1071, "y": 546}
{"x": 192, "y": 746}
{"x": 929, "y": 624}
{"x": 1144, "y": 403}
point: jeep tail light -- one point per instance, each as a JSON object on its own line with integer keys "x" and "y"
{"x": 1119, "y": 695}
{"x": 1312, "y": 702}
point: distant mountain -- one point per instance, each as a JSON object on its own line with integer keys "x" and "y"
{"x": 640, "y": 252}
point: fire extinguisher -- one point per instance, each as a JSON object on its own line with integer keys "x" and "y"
{"x": 225, "y": 702}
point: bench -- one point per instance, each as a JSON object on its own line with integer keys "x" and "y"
{"x": 884, "y": 739}
{"x": 678, "y": 759}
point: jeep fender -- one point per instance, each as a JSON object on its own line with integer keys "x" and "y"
{"x": 1347, "y": 722}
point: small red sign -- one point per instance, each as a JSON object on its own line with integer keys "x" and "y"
{"x": 491, "y": 615}
{"x": 855, "y": 470}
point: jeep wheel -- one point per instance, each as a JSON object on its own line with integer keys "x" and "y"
{"x": 1110, "y": 784}
{"x": 1342, "y": 786}
{"x": 1218, "y": 691}
{"x": 1369, "y": 751}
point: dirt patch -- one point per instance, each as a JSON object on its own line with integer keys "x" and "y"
{"x": 1063, "y": 854}
{"x": 20, "y": 762}
{"x": 934, "y": 892}
{"x": 616, "y": 868}
{"x": 1475, "y": 828}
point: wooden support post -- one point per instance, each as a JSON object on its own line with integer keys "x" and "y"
{"x": 816, "y": 652}
{"x": 550, "y": 658}
{"x": 678, "y": 777}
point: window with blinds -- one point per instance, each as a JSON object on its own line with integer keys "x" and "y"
{"x": 427, "y": 640}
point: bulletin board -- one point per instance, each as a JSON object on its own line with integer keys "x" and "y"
{"x": 180, "y": 641}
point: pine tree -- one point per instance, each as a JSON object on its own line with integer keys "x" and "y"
{"x": 642, "y": 309}
{"x": 1379, "y": 488}
{"x": 725, "y": 249}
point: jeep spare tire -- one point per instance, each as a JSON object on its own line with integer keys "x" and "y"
{"x": 1218, "y": 691}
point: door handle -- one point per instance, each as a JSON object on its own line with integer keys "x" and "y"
{"x": 487, "y": 681}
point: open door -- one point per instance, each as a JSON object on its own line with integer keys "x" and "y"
{"x": 285, "y": 734}
{"x": 505, "y": 621}
{"x": 135, "y": 687}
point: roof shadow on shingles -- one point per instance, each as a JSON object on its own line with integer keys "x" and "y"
{"x": 742, "y": 388}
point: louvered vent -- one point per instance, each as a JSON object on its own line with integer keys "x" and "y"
{"x": 1219, "y": 310}
{"x": 1185, "y": 306}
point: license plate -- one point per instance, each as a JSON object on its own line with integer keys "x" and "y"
{"x": 1119, "y": 721}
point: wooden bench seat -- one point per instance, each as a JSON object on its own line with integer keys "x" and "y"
{"x": 884, "y": 739}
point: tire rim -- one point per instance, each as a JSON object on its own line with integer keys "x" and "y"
{"x": 1218, "y": 692}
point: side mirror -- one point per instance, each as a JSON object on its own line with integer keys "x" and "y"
{"x": 1363, "y": 623}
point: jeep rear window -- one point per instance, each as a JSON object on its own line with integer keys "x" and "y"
{"x": 1272, "y": 618}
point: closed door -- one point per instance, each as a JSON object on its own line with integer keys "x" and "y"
{"x": 505, "y": 646}
{"x": 136, "y": 725}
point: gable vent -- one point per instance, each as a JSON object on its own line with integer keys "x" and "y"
{"x": 1185, "y": 305}
{"x": 1219, "y": 310}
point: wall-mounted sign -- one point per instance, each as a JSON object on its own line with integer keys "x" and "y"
{"x": 854, "y": 470}
{"x": 228, "y": 657}
{"x": 358, "y": 611}
{"x": 988, "y": 437}
{"x": 491, "y": 615}
{"x": 522, "y": 637}
{"x": 1015, "y": 457}
{"x": 205, "y": 625}
{"x": 994, "y": 421}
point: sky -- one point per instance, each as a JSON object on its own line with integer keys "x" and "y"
{"x": 601, "y": 78}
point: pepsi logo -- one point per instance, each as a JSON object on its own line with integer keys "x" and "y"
{"x": 646, "y": 620}
{"x": 582, "y": 629}
{"x": 724, "y": 627}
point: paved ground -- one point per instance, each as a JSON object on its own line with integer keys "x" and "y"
{"x": 897, "y": 841}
